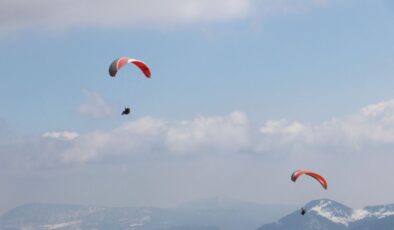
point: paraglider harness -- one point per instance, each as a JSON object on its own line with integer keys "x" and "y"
{"x": 303, "y": 211}
{"x": 126, "y": 111}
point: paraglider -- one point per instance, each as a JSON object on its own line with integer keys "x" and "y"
{"x": 314, "y": 175}
{"x": 119, "y": 63}
{"x": 126, "y": 111}
{"x": 295, "y": 175}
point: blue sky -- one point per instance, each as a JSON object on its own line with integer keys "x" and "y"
{"x": 320, "y": 60}
{"x": 232, "y": 82}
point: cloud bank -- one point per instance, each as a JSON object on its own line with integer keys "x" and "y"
{"x": 16, "y": 15}
{"x": 369, "y": 130}
{"x": 205, "y": 156}
{"x": 373, "y": 125}
{"x": 63, "y": 14}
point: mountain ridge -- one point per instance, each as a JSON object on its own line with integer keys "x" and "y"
{"x": 208, "y": 214}
{"x": 326, "y": 214}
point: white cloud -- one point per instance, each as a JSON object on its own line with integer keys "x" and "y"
{"x": 360, "y": 132}
{"x": 229, "y": 134}
{"x": 383, "y": 108}
{"x": 20, "y": 14}
{"x": 282, "y": 127}
{"x": 369, "y": 130}
{"x": 137, "y": 137}
{"x": 16, "y": 15}
{"x": 62, "y": 135}
{"x": 94, "y": 106}
{"x": 373, "y": 125}
{"x": 226, "y": 134}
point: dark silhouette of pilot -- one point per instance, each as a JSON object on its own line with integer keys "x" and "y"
{"x": 126, "y": 111}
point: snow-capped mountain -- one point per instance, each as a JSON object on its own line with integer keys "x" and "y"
{"x": 327, "y": 214}
{"x": 210, "y": 214}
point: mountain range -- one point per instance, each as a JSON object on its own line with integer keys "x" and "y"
{"x": 209, "y": 214}
{"x": 325, "y": 214}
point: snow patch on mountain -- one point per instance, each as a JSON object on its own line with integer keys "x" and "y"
{"x": 342, "y": 215}
{"x": 381, "y": 211}
{"x": 326, "y": 209}
{"x": 140, "y": 222}
{"x": 359, "y": 214}
{"x": 60, "y": 225}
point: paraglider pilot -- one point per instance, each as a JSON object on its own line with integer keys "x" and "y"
{"x": 126, "y": 111}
